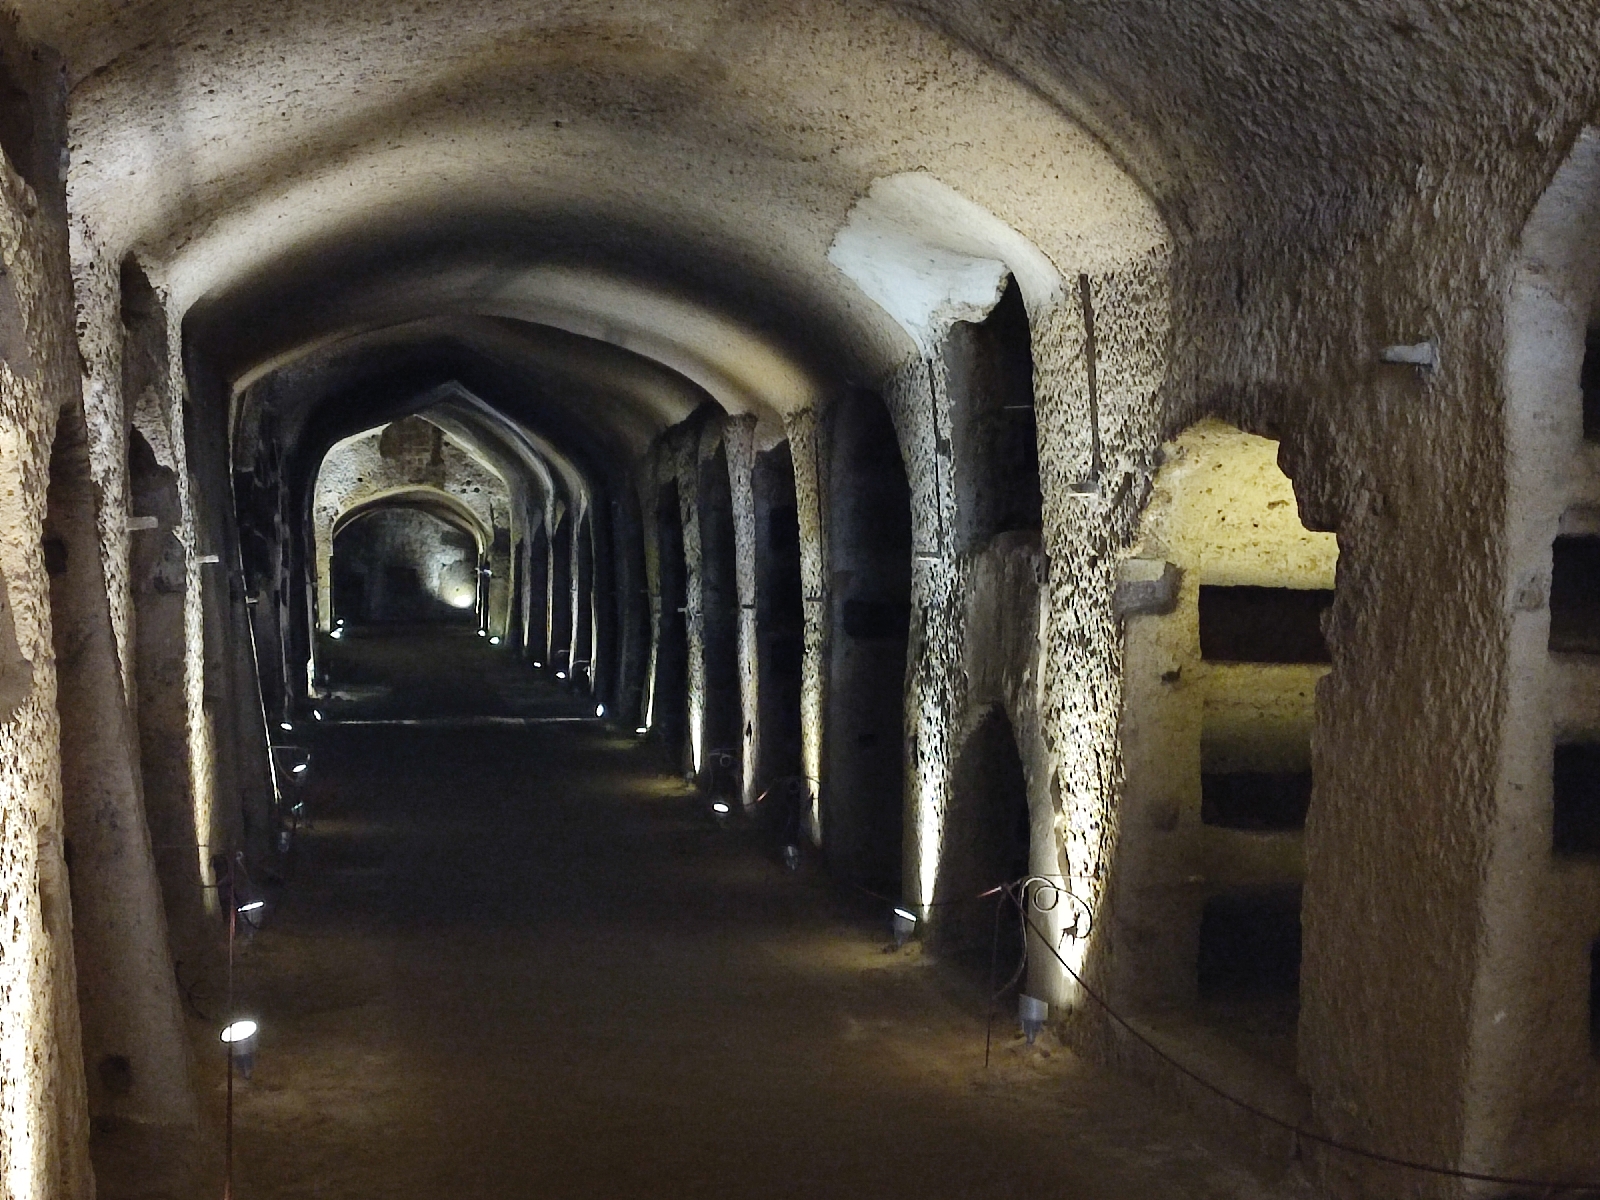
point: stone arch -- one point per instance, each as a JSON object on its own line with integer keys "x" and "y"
{"x": 988, "y": 842}
{"x": 869, "y": 546}
{"x": 408, "y": 558}
{"x": 1222, "y": 599}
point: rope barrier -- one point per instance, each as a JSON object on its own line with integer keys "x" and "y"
{"x": 1291, "y": 1127}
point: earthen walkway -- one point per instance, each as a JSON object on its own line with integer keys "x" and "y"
{"x": 525, "y": 962}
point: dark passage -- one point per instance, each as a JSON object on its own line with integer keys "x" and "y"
{"x": 521, "y": 961}
{"x": 1263, "y": 624}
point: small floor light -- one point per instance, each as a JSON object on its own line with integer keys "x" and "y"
{"x": 561, "y": 674}
{"x": 494, "y": 641}
{"x": 791, "y": 857}
{"x": 1033, "y": 1013}
{"x": 299, "y": 768}
{"x": 240, "y": 1038}
{"x": 905, "y": 924}
{"x": 721, "y": 808}
{"x": 483, "y": 633}
{"x": 317, "y": 713}
{"x": 336, "y": 634}
{"x": 286, "y": 726}
{"x": 642, "y": 730}
{"x": 538, "y": 666}
{"x": 253, "y": 906}
{"x": 599, "y": 710}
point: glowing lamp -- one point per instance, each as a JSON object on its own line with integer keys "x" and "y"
{"x": 721, "y": 808}
{"x": 903, "y": 925}
{"x": 299, "y": 768}
{"x": 317, "y": 713}
{"x": 642, "y": 730}
{"x": 240, "y": 1038}
{"x": 340, "y": 621}
{"x": 336, "y": 634}
{"x": 252, "y": 906}
{"x": 286, "y": 726}
{"x": 561, "y": 674}
{"x": 599, "y": 710}
{"x": 494, "y": 641}
{"x": 1033, "y": 1013}
{"x": 539, "y": 666}
{"x": 239, "y": 1033}
{"x": 483, "y": 633}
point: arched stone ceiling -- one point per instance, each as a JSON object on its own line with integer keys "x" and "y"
{"x": 667, "y": 178}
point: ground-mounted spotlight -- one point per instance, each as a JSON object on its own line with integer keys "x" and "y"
{"x": 599, "y": 710}
{"x": 903, "y": 926}
{"x": 252, "y": 906}
{"x": 721, "y": 807}
{"x": 338, "y": 621}
{"x": 317, "y": 713}
{"x": 299, "y": 768}
{"x": 495, "y": 640}
{"x": 538, "y": 666}
{"x": 286, "y": 726}
{"x": 483, "y": 633}
{"x": 337, "y": 634}
{"x": 642, "y": 730}
{"x": 240, "y": 1039}
{"x": 1033, "y": 1013}
{"x": 561, "y": 674}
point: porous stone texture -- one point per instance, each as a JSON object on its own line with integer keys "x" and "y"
{"x": 43, "y": 1117}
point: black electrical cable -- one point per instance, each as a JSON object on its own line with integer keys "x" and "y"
{"x": 1299, "y": 1131}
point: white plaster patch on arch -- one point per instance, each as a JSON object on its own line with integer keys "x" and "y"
{"x": 929, "y": 257}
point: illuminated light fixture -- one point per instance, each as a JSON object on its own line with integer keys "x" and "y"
{"x": 791, "y": 857}
{"x": 539, "y": 666}
{"x": 299, "y": 809}
{"x": 253, "y": 906}
{"x": 483, "y": 633}
{"x": 721, "y": 808}
{"x": 317, "y": 713}
{"x": 904, "y": 925}
{"x": 599, "y": 710}
{"x": 299, "y": 768}
{"x": 561, "y": 674}
{"x": 1033, "y": 1013}
{"x": 336, "y": 634}
{"x": 494, "y": 641}
{"x": 240, "y": 1032}
{"x": 642, "y": 730}
{"x": 286, "y": 726}
{"x": 340, "y": 621}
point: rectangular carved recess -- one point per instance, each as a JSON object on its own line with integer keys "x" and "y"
{"x": 1594, "y": 997}
{"x": 1575, "y": 595}
{"x": 1263, "y": 624}
{"x": 1250, "y": 943}
{"x": 1590, "y": 380}
{"x": 1255, "y": 800}
{"x": 1576, "y": 792}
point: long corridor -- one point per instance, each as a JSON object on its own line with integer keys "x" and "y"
{"x": 526, "y": 962}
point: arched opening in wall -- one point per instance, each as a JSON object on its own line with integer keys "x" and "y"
{"x": 1223, "y": 599}
{"x": 561, "y": 596}
{"x": 780, "y": 615}
{"x": 583, "y": 639}
{"x": 869, "y": 545}
{"x": 719, "y": 602}
{"x": 404, "y": 564}
{"x": 994, "y": 433}
{"x": 987, "y": 835}
{"x": 537, "y": 635}
{"x": 670, "y": 704}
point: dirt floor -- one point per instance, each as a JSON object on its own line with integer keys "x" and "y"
{"x": 524, "y": 961}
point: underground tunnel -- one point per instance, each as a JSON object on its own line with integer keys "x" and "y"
{"x": 915, "y": 599}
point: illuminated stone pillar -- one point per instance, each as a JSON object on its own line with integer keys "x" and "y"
{"x": 738, "y": 435}
{"x": 802, "y": 430}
